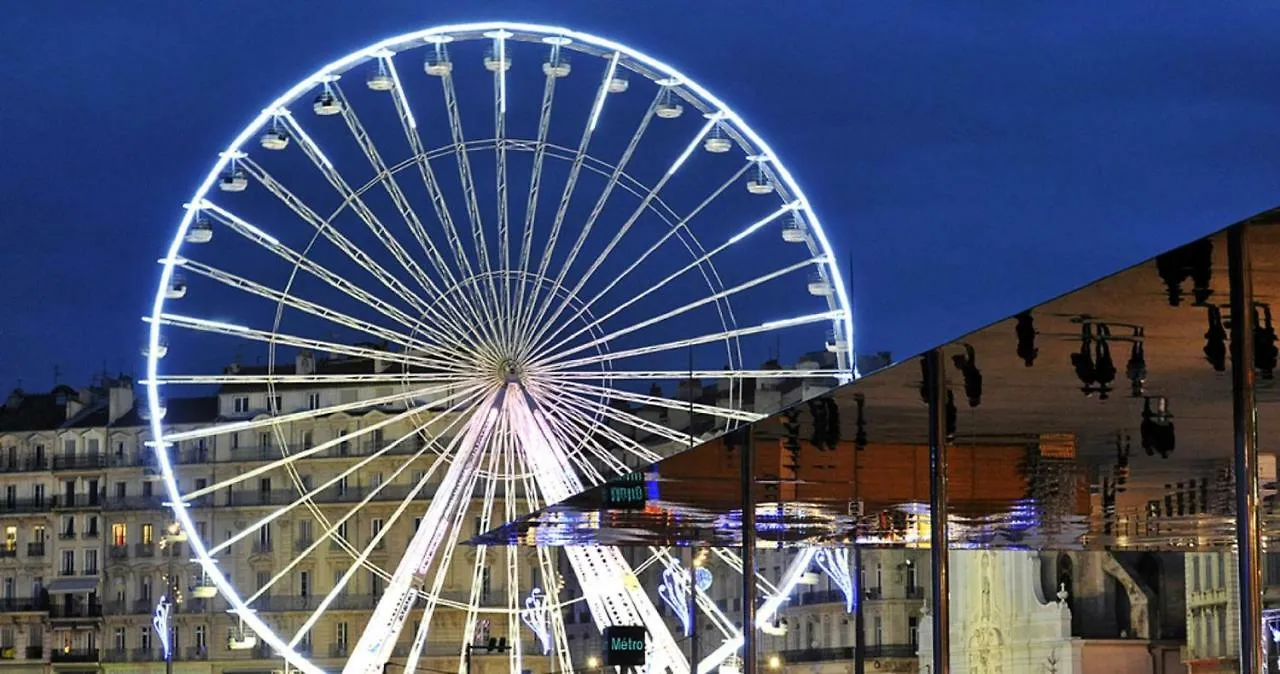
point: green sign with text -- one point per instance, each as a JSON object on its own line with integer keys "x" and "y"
{"x": 624, "y": 645}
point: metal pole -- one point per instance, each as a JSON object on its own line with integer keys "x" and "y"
{"x": 173, "y": 609}
{"x": 693, "y": 609}
{"x": 859, "y": 626}
{"x": 1245, "y": 413}
{"x": 748, "y": 555}
{"x": 936, "y": 386}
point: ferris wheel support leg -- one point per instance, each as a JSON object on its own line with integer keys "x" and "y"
{"x": 378, "y": 641}
{"x": 612, "y": 592}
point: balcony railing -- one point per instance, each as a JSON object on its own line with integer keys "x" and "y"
{"x": 79, "y": 461}
{"x": 30, "y": 505}
{"x": 74, "y": 655}
{"x": 75, "y": 611}
{"x": 35, "y": 549}
{"x": 820, "y": 597}
{"x": 10, "y": 552}
{"x": 195, "y": 653}
{"x": 66, "y": 535}
{"x": 338, "y": 650}
{"x": 116, "y": 551}
{"x": 141, "y": 502}
{"x": 30, "y": 464}
{"x": 115, "y": 655}
{"x": 145, "y": 655}
{"x": 21, "y": 604}
{"x": 797, "y": 656}
{"x": 144, "y": 549}
{"x": 91, "y": 500}
{"x": 261, "y": 547}
{"x": 915, "y": 592}
{"x": 35, "y": 652}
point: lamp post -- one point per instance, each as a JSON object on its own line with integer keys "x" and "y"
{"x": 173, "y": 535}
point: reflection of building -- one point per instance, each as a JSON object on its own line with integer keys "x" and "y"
{"x": 1109, "y": 612}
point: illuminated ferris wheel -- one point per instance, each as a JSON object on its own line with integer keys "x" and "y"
{"x": 436, "y": 331}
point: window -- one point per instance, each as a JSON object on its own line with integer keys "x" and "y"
{"x": 37, "y": 533}
{"x": 486, "y": 583}
{"x": 120, "y": 452}
{"x": 342, "y": 530}
{"x": 342, "y": 486}
{"x": 37, "y": 493}
{"x": 417, "y": 523}
{"x": 344, "y": 447}
{"x": 304, "y": 583}
{"x": 913, "y": 631}
{"x": 263, "y": 577}
{"x": 144, "y": 588}
{"x": 11, "y": 538}
{"x": 375, "y": 526}
{"x": 68, "y": 562}
{"x": 148, "y": 533}
{"x": 376, "y": 481}
{"x": 91, "y": 446}
{"x": 264, "y": 485}
{"x": 11, "y": 495}
{"x": 304, "y": 645}
{"x": 313, "y": 401}
{"x": 201, "y": 638}
{"x": 9, "y": 585}
{"x": 144, "y": 638}
{"x": 68, "y": 525}
{"x": 91, "y": 525}
{"x": 879, "y": 623}
{"x": 235, "y": 441}
{"x": 118, "y": 641}
{"x": 146, "y": 489}
{"x": 337, "y": 582}
{"x": 1222, "y": 572}
{"x": 90, "y": 561}
{"x": 377, "y": 438}
{"x": 340, "y": 637}
{"x": 418, "y": 476}
{"x": 119, "y": 534}
{"x": 264, "y": 536}
{"x": 264, "y": 439}
{"x": 277, "y": 404}
{"x": 69, "y": 447}
{"x": 308, "y": 439}
{"x": 1195, "y": 573}
{"x": 122, "y": 489}
{"x": 201, "y": 530}
{"x": 241, "y": 404}
{"x": 304, "y": 531}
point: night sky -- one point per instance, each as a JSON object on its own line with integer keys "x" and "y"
{"x": 971, "y": 162}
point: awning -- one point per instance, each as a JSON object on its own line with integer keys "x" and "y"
{"x": 72, "y": 585}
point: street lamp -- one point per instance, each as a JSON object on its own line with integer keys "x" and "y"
{"x": 592, "y": 662}
{"x": 775, "y": 662}
{"x": 173, "y": 535}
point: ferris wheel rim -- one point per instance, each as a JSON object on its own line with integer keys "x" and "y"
{"x": 841, "y": 313}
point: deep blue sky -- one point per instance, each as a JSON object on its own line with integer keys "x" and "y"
{"x": 971, "y": 162}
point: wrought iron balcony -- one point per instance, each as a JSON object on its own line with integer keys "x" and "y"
{"x": 35, "y": 549}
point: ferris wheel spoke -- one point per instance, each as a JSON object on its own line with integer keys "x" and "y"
{"x": 485, "y": 523}
{"x": 335, "y": 280}
{"x": 619, "y": 170}
{"x": 673, "y": 230}
{"x": 570, "y": 409}
{"x": 251, "y": 334}
{"x": 566, "y": 193}
{"x": 360, "y": 561}
{"x": 469, "y": 196}
{"x": 281, "y": 297}
{"x": 535, "y": 184}
{"x": 352, "y": 199}
{"x": 564, "y": 432}
{"x": 658, "y": 401}
{"x": 402, "y": 205}
{"x": 421, "y": 159}
{"x": 500, "y": 156}
{"x": 297, "y": 379}
{"x": 639, "y": 210}
{"x": 420, "y": 429}
{"x": 685, "y": 375}
{"x": 312, "y": 451}
{"x": 770, "y": 326}
{"x": 650, "y": 289}
{"x": 709, "y": 299}
{"x": 628, "y": 419}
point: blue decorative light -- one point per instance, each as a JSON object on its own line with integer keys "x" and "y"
{"x": 674, "y": 590}
{"x": 703, "y": 577}
{"x": 160, "y": 620}
{"x": 537, "y": 617}
{"x": 835, "y": 563}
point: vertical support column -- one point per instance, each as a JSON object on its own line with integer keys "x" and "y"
{"x": 748, "y": 553}
{"x": 694, "y": 656}
{"x": 936, "y": 385}
{"x": 1245, "y": 413}
{"x": 859, "y": 624}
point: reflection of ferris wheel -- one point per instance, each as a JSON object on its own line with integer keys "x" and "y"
{"x": 457, "y": 329}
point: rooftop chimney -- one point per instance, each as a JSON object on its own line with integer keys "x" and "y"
{"x": 304, "y": 362}
{"x": 119, "y": 399}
